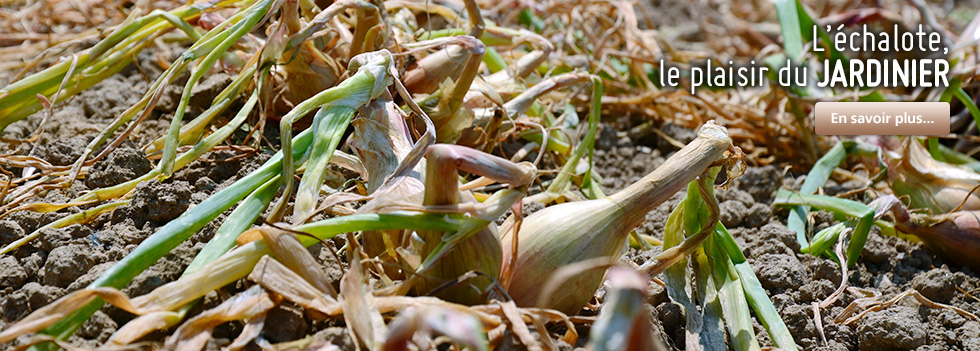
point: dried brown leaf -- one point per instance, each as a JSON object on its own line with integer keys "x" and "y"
{"x": 360, "y": 312}
{"x": 518, "y": 327}
{"x": 461, "y": 327}
{"x": 276, "y": 277}
{"x": 143, "y": 325}
{"x": 55, "y": 311}
{"x": 294, "y": 255}
{"x": 194, "y": 334}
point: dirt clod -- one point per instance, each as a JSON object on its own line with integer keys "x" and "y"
{"x": 30, "y": 297}
{"x": 672, "y": 317}
{"x": 969, "y": 335}
{"x": 10, "y": 231}
{"x": 625, "y": 163}
{"x": 165, "y": 270}
{"x": 30, "y": 221}
{"x": 288, "y": 324}
{"x": 896, "y": 328}
{"x": 59, "y": 237}
{"x": 761, "y": 182}
{"x": 732, "y": 213}
{"x": 62, "y": 151}
{"x": 98, "y": 328}
{"x": 121, "y": 165}
{"x": 735, "y": 195}
{"x": 219, "y": 166}
{"x": 778, "y": 271}
{"x": 66, "y": 263}
{"x": 936, "y": 285}
{"x": 109, "y": 98}
{"x": 205, "y": 90}
{"x": 12, "y": 275}
{"x": 757, "y": 215}
{"x": 156, "y": 202}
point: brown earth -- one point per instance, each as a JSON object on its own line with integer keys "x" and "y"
{"x": 67, "y": 259}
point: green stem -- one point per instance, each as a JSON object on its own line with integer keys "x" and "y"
{"x": 755, "y": 294}
{"x": 332, "y": 122}
{"x": 215, "y": 48}
{"x": 220, "y": 103}
{"x": 366, "y": 84}
{"x": 563, "y": 180}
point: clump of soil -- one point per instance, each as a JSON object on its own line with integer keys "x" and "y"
{"x": 62, "y": 152}
{"x": 157, "y": 202}
{"x": 121, "y": 165}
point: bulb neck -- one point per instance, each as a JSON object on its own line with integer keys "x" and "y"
{"x": 680, "y": 169}
{"x": 638, "y": 199}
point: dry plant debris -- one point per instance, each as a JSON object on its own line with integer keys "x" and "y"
{"x": 406, "y": 139}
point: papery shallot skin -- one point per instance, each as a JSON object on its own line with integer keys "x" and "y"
{"x": 572, "y": 232}
{"x": 954, "y": 236}
{"x": 930, "y": 184}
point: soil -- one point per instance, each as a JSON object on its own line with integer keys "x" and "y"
{"x": 67, "y": 259}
